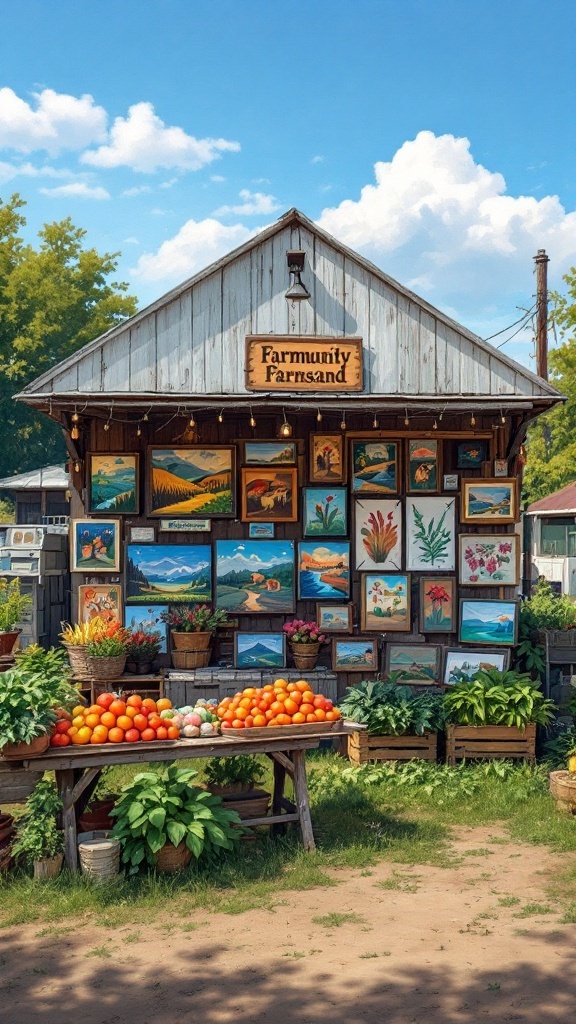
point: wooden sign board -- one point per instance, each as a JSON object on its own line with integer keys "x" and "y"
{"x": 298, "y": 363}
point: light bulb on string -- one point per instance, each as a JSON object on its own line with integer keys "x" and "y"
{"x": 145, "y": 417}
{"x": 191, "y": 421}
{"x": 375, "y": 422}
{"x": 435, "y": 425}
{"x": 406, "y": 418}
{"x": 472, "y": 420}
{"x": 75, "y": 433}
{"x": 77, "y": 466}
{"x": 285, "y": 428}
{"x": 319, "y": 416}
{"x": 75, "y": 416}
{"x": 343, "y": 421}
{"x": 502, "y": 417}
{"x": 252, "y": 420}
{"x": 221, "y": 416}
{"x": 138, "y": 431}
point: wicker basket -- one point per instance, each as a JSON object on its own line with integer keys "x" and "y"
{"x": 173, "y": 858}
{"x": 78, "y": 659}
{"x": 190, "y": 659}
{"x": 191, "y": 641}
{"x": 305, "y": 656}
{"x": 106, "y": 668}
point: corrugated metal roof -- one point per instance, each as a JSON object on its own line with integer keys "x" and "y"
{"x": 563, "y": 500}
{"x": 49, "y": 478}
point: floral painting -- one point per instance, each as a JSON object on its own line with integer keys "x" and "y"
{"x": 355, "y": 655}
{"x": 113, "y": 483}
{"x": 324, "y": 570}
{"x": 375, "y": 467}
{"x": 385, "y": 602}
{"x": 147, "y": 620}
{"x": 416, "y": 663}
{"x": 378, "y": 533}
{"x": 325, "y": 512}
{"x": 95, "y": 545}
{"x": 270, "y": 495}
{"x": 423, "y": 468}
{"x": 430, "y": 532}
{"x": 461, "y": 666}
{"x": 255, "y": 576}
{"x": 326, "y": 458}
{"x": 488, "y": 622}
{"x": 191, "y": 481}
{"x": 437, "y": 610}
{"x": 489, "y": 559}
{"x": 100, "y": 601}
{"x": 489, "y": 501}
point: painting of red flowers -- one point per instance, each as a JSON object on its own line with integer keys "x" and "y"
{"x": 378, "y": 533}
{"x": 437, "y": 604}
{"x": 491, "y": 560}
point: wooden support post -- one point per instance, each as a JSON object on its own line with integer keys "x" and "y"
{"x": 278, "y": 793}
{"x": 541, "y": 260}
{"x": 301, "y": 796}
{"x": 65, "y": 783}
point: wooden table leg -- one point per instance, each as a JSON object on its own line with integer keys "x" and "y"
{"x": 278, "y": 795}
{"x": 301, "y": 797}
{"x": 65, "y": 783}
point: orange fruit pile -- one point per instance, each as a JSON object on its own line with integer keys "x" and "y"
{"x": 111, "y": 720}
{"x": 281, "y": 703}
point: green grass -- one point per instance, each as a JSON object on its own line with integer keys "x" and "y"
{"x": 336, "y": 920}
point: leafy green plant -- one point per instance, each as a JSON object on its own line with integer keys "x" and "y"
{"x": 392, "y": 709}
{"x": 559, "y": 748}
{"x": 546, "y": 610}
{"x": 37, "y": 833}
{"x": 497, "y": 698}
{"x": 165, "y": 806}
{"x": 199, "y": 619}
{"x": 30, "y": 692}
{"x": 106, "y": 647}
{"x": 434, "y": 538}
{"x": 13, "y": 604}
{"x": 243, "y": 770}
{"x": 143, "y": 646}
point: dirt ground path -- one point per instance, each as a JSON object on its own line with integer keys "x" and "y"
{"x": 480, "y": 941}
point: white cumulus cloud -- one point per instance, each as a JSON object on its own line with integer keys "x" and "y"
{"x": 77, "y": 190}
{"x": 56, "y": 121}
{"x": 197, "y": 244}
{"x": 253, "y": 203}
{"x": 9, "y": 171}
{"x": 144, "y": 143}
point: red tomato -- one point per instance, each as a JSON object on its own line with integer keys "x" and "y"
{"x": 132, "y": 736}
{"x": 62, "y": 726}
{"x": 105, "y": 700}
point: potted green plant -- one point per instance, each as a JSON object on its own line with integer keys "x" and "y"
{"x": 141, "y": 650}
{"x": 39, "y": 839}
{"x": 305, "y": 639}
{"x": 191, "y": 630}
{"x": 106, "y": 653}
{"x": 13, "y": 605}
{"x": 76, "y": 639}
{"x": 30, "y": 693}
{"x": 235, "y": 780}
{"x": 550, "y": 617}
{"x": 164, "y": 819}
{"x": 397, "y": 723}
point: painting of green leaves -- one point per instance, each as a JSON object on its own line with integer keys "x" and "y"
{"x": 325, "y": 513}
{"x": 430, "y": 534}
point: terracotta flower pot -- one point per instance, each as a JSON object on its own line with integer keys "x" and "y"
{"x": 22, "y": 751}
{"x": 8, "y": 641}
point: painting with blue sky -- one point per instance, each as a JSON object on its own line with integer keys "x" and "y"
{"x": 254, "y": 576}
{"x": 148, "y": 620}
{"x": 175, "y": 573}
{"x": 259, "y": 650}
{"x": 488, "y": 622}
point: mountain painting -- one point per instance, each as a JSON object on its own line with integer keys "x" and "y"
{"x": 462, "y": 666}
{"x": 260, "y": 650}
{"x": 255, "y": 576}
{"x": 324, "y": 570}
{"x": 269, "y": 453}
{"x": 193, "y": 481}
{"x": 488, "y": 622}
{"x": 375, "y": 467}
{"x": 168, "y": 573}
{"x": 488, "y": 501}
{"x": 416, "y": 663}
{"x": 113, "y": 483}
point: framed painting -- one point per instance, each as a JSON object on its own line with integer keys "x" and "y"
{"x": 500, "y": 467}
{"x": 325, "y": 512}
{"x": 269, "y": 453}
{"x": 94, "y": 545}
{"x": 375, "y": 468}
{"x": 261, "y": 531}
{"x": 193, "y": 481}
{"x": 326, "y": 459}
{"x": 269, "y": 494}
{"x": 490, "y": 501}
{"x": 323, "y": 570}
{"x": 489, "y": 559}
{"x": 148, "y": 620}
{"x": 437, "y": 604}
{"x": 494, "y": 623}
{"x": 450, "y": 481}
{"x": 259, "y": 650}
{"x": 423, "y": 469}
{"x": 255, "y": 576}
{"x": 378, "y": 533}
{"x": 100, "y": 601}
{"x": 418, "y": 664}
{"x": 357, "y": 655}
{"x": 471, "y": 454}
{"x": 113, "y": 483}
{"x": 460, "y": 666}
{"x": 335, "y": 618}
{"x": 385, "y": 602}
{"x": 430, "y": 532}
{"x": 174, "y": 573}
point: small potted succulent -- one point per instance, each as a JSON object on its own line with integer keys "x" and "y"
{"x": 13, "y": 605}
{"x": 191, "y": 630}
{"x": 39, "y": 839}
{"x": 30, "y": 696}
{"x": 141, "y": 650}
{"x": 305, "y": 639}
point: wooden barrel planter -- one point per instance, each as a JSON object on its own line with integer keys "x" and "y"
{"x": 363, "y": 747}
{"x": 305, "y": 656}
{"x": 491, "y": 742}
{"x": 563, "y": 789}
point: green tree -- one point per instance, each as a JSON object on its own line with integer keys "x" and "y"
{"x": 53, "y": 299}
{"x": 551, "y": 442}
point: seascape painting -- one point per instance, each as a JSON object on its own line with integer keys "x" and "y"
{"x": 270, "y": 453}
{"x": 323, "y": 570}
{"x": 489, "y": 559}
{"x": 378, "y": 533}
{"x": 255, "y": 576}
{"x": 423, "y": 468}
{"x": 355, "y": 655}
{"x": 437, "y": 608}
{"x": 489, "y": 501}
{"x": 174, "y": 573}
{"x": 269, "y": 494}
{"x": 95, "y": 545}
{"x": 375, "y": 467}
{"x": 430, "y": 532}
{"x": 191, "y": 481}
{"x": 471, "y": 454}
{"x": 147, "y": 620}
{"x": 385, "y": 602}
{"x": 334, "y": 618}
{"x": 259, "y": 650}
{"x": 326, "y": 458}
{"x": 325, "y": 512}
{"x": 461, "y": 666}
{"x": 100, "y": 601}
{"x": 113, "y": 483}
{"x": 488, "y": 622}
{"x": 417, "y": 663}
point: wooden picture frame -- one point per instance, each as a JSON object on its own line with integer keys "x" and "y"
{"x": 168, "y": 574}
{"x": 378, "y": 533}
{"x": 484, "y": 622}
{"x": 335, "y": 618}
{"x": 492, "y": 501}
{"x": 326, "y": 458}
{"x": 324, "y": 570}
{"x": 423, "y": 466}
{"x": 471, "y": 454}
{"x": 200, "y": 477}
{"x": 270, "y": 495}
{"x": 418, "y": 663}
{"x": 385, "y": 602}
{"x": 461, "y": 664}
{"x": 375, "y": 466}
{"x": 324, "y": 511}
{"x": 270, "y": 453}
{"x": 100, "y": 600}
{"x": 356, "y": 654}
{"x": 438, "y": 609}
{"x": 253, "y": 650}
{"x": 95, "y": 545}
{"x": 489, "y": 559}
{"x": 252, "y": 579}
{"x": 112, "y": 483}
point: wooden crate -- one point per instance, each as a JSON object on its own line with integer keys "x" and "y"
{"x": 490, "y": 741}
{"x": 363, "y": 747}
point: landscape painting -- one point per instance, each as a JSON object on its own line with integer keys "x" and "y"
{"x": 378, "y": 533}
{"x": 259, "y": 650}
{"x": 461, "y": 666}
{"x": 270, "y": 453}
{"x": 323, "y": 570}
{"x": 269, "y": 494}
{"x": 375, "y": 467}
{"x": 100, "y": 601}
{"x": 488, "y": 622}
{"x": 385, "y": 602}
{"x": 113, "y": 483}
{"x": 325, "y": 512}
{"x": 423, "y": 467}
{"x": 326, "y": 458}
{"x": 416, "y": 663}
{"x": 489, "y": 501}
{"x": 489, "y": 559}
{"x": 430, "y": 532}
{"x": 255, "y": 576}
{"x": 471, "y": 454}
{"x": 334, "y": 618}
{"x": 437, "y": 608}
{"x": 174, "y": 573}
{"x": 192, "y": 481}
{"x": 355, "y": 655}
{"x": 95, "y": 545}
{"x": 147, "y": 620}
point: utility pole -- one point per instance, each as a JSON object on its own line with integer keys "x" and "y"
{"x": 542, "y": 260}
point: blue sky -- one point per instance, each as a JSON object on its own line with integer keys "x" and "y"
{"x": 436, "y": 137}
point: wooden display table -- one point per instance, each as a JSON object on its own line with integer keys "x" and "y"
{"x": 77, "y": 772}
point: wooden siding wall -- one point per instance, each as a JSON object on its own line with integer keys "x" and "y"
{"x": 194, "y": 344}
{"x": 122, "y": 437}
